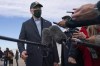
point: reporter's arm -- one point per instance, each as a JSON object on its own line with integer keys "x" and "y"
{"x": 74, "y": 23}
{"x": 22, "y": 36}
{"x": 87, "y": 12}
{"x": 95, "y": 39}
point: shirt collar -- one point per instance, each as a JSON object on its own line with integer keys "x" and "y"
{"x": 37, "y": 19}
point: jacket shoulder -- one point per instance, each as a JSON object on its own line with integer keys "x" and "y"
{"x": 27, "y": 21}
{"x": 46, "y": 21}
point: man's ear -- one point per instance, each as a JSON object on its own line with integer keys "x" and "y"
{"x": 31, "y": 11}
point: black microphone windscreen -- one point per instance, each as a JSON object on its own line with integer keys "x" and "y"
{"x": 46, "y": 37}
{"x": 57, "y": 34}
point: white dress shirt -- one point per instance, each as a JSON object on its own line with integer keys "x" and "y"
{"x": 38, "y": 24}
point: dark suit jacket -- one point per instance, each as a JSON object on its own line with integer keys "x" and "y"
{"x": 30, "y": 32}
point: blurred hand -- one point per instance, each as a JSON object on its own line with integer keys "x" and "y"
{"x": 79, "y": 35}
{"x": 85, "y": 12}
{"x": 91, "y": 39}
{"x": 24, "y": 55}
{"x": 71, "y": 60}
{"x": 62, "y": 24}
{"x": 56, "y": 64}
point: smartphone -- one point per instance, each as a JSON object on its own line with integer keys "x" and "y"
{"x": 70, "y": 12}
{"x": 55, "y": 22}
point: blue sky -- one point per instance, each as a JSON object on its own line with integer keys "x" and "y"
{"x": 10, "y": 27}
{"x": 14, "y": 12}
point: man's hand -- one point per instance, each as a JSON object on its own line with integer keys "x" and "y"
{"x": 24, "y": 55}
{"x": 85, "y": 12}
{"x": 71, "y": 60}
{"x": 62, "y": 24}
{"x": 56, "y": 64}
{"x": 91, "y": 39}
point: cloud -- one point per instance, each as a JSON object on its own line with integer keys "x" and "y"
{"x": 53, "y": 9}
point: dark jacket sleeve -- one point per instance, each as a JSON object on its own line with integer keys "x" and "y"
{"x": 72, "y": 51}
{"x": 55, "y": 53}
{"x": 21, "y": 36}
{"x": 73, "y": 23}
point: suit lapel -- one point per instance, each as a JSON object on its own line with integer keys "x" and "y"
{"x": 35, "y": 30}
{"x": 43, "y": 25}
{"x": 33, "y": 25}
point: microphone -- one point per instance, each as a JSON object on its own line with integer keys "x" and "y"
{"x": 46, "y": 37}
{"x": 61, "y": 38}
{"x": 57, "y": 34}
{"x": 46, "y": 40}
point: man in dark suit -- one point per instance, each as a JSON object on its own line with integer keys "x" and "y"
{"x": 31, "y": 31}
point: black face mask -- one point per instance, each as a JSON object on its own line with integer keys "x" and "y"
{"x": 37, "y": 13}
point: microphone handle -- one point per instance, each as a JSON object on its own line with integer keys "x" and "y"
{"x": 23, "y": 41}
